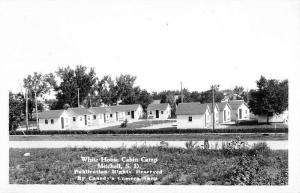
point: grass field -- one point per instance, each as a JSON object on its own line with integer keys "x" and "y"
{"x": 191, "y": 165}
{"x": 152, "y": 137}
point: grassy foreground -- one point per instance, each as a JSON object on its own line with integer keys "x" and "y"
{"x": 191, "y": 165}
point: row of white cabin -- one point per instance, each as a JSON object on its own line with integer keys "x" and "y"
{"x": 197, "y": 115}
{"x": 95, "y": 117}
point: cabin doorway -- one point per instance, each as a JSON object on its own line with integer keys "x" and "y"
{"x": 85, "y": 119}
{"x": 62, "y": 123}
{"x": 240, "y": 113}
{"x": 157, "y": 114}
{"x": 132, "y": 114}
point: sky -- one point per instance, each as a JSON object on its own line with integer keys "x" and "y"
{"x": 161, "y": 42}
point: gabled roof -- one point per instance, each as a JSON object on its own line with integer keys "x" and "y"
{"x": 160, "y": 107}
{"x": 194, "y": 108}
{"x": 112, "y": 109}
{"x": 124, "y": 108}
{"x": 52, "y": 114}
{"x": 99, "y": 110}
{"x": 235, "y": 104}
{"x": 222, "y": 105}
{"x": 215, "y": 105}
{"x": 79, "y": 111}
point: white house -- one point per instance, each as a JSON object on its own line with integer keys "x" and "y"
{"x": 159, "y": 111}
{"x": 224, "y": 112}
{"x": 54, "y": 120}
{"x": 216, "y": 111}
{"x": 239, "y": 110}
{"x": 193, "y": 115}
{"x": 131, "y": 112}
{"x": 81, "y": 118}
{"x": 101, "y": 115}
{"x": 280, "y": 118}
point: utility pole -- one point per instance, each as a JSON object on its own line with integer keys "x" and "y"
{"x": 78, "y": 96}
{"x": 36, "y": 111}
{"x": 26, "y": 113}
{"x": 181, "y": 92}
{"x": 213, "y": 105}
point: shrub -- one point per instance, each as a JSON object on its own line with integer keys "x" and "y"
{"x": 171, "y": 130}
{"x": 124, "y": 124}
{"x": 190, "y": 145}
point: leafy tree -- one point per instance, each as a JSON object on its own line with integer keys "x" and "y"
{"x": 80, "y": 78}
{"x": 241, "y": 93}
{"x": 38, "y": 85}
{"x": 206, "y": 96}
{"x": 16, "y": 110}
{"x": 270, "y": 98}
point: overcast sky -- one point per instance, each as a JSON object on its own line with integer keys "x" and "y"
{"x": 161, "y": 42}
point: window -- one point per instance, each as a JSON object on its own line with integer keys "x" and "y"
{"x": 150, "y": 112}
{"x": 190, "y": 118}
{"x": 46, "y": 121}
{"x": 88, "y": 117}
{"x": 74, "y": 119}
{"x": 52, "y": 121}
{"x": 95, "y": 116}
{"x": 111, "y": 115}
{"x": 161, "y": 112}
{"x": 80, "y": 118}
{"x": 128, "y": 113}
{"x": 246, "y": 112}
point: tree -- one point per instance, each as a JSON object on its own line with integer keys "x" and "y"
{"x": 16, "y": 110}
{"x": 206, "y": 96}
{"x": 71, "y": 80}
{"x": 241, "y": 94}
{"x": 270, "y": 98}
{"x": 39, "y": 84}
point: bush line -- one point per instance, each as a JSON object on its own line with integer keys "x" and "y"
{"x": 172, "y": 130}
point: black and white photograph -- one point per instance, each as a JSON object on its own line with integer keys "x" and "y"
{"x": 155, "y": 96}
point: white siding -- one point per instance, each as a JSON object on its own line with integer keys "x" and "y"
{"x": 245, "y": 113}
{"x": 163, "y": 115}
{"x": 228, "y": 116}
{"x": 198, "y": 121}
{"x": 57, "y": 123}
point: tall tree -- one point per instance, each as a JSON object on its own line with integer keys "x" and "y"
{"x": 270, "y": 98}
{"x": 80, "y": 78}
{"x": 38, "y": 85}
{"x": 16, "y": 110}
{"x": 206, "y": 96}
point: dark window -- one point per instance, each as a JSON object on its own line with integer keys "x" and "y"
{"x": 161, "y": 112}
{"x": 95, "y": 116}
{"x": 52, "y": 121}
{"x": 150, "y": 112}
{"x": 111, "y": 115}
{"x": 46, "y": 121}
{"x": 190, "y": 119}
{"x": 74, "y": 119}
{"x": 128, "y": 113}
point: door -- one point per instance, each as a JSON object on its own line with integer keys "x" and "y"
{"x": 132, "y": 114}
{"x": 157, "y": 113}
{"x": 62, "y": 123}
{"x": 85, "y": 119}
{"x": 240, "y": 113}
{"x": 224, "y": 116}
{"x": 104, "y": 117}
{"x": 204, "y": 120}
{"x": 117, "y": 116}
